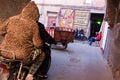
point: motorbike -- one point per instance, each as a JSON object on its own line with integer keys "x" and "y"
{"x": 18, "y": 71}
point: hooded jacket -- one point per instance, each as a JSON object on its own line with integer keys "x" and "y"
{"x": 21, "y": 34}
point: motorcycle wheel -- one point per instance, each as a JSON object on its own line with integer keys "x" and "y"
{"x": 64, "y": 45}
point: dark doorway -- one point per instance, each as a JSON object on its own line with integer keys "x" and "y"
{"x": 96, "y": 21}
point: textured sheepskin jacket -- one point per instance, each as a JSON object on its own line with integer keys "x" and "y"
{"x": 21, "y": 34}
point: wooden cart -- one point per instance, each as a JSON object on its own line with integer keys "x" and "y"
{"x": 62, "y": 35}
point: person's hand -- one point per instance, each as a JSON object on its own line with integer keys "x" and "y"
{"x": 53, "y": 41}
{"x": 29, "y": 77}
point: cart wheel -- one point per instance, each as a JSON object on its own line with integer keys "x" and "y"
{"x": 65, "y": 45}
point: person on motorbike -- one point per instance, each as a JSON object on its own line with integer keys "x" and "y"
{"x": 22, "y": 39}
{"x": 47, "y": 41}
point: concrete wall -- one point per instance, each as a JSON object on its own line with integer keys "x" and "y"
{"x": 112, "y": 51}
{"x": 95, "y": 3}
{"x": 11, "y": 7}
{"x": 112, "y": 48}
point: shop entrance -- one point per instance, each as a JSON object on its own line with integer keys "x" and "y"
{"x": 96, "y": 21}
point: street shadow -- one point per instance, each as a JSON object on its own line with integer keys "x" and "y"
{"x": 62, "y": 49}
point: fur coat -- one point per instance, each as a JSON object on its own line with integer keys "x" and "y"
{"x": 21, "y": 34}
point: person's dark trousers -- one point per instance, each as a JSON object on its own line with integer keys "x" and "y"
{"x": 43, "y": 69}
{"x": 75, "y": 36}
{"x": 79, "y": 37}
{"x": 92, "y": 39}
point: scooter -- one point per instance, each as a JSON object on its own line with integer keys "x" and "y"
{"x": 16, "y": 70}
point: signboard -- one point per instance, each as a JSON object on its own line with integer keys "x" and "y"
{"x": 81, "y": 18}
{"x": 66, "y": 17}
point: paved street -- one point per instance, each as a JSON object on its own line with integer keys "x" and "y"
{"x": 79, "y": 62}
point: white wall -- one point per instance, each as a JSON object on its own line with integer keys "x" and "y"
{"x": 55, "y": 5}
{"x": 97, "y": 3}
{"x": 104, "y": 34}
